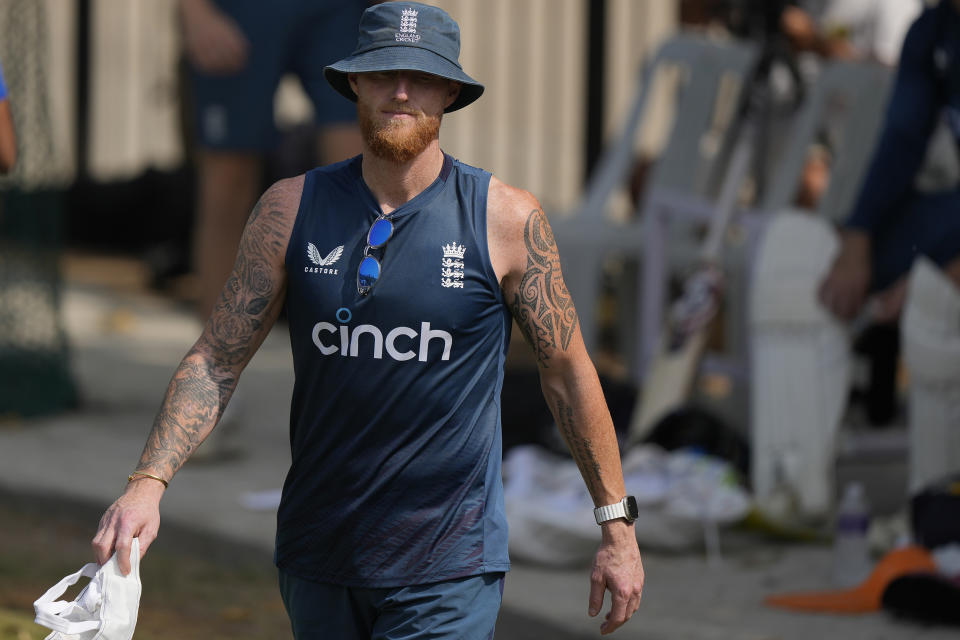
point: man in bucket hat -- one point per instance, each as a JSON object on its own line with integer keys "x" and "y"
{"x": 402, "y": 270}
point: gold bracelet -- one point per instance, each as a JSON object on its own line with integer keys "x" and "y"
{"x": 147, "y": 475}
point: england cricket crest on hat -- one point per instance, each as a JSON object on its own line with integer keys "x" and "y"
{"x": 408, "y": 26}
{"x": 451, "y": 266}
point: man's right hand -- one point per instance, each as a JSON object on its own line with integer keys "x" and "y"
{"x": 617, "y": 568}
{"x": 844, "y": 290}
{"x": 135, "y": 514}
{"x": 215, "y": 43}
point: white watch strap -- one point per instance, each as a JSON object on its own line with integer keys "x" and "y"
{"x": 610, "y": 512}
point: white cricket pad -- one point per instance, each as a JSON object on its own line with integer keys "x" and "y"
{"x": 106, "y": 609}
{"x": 800, "y": 364}
{"x": 931, "y": 348}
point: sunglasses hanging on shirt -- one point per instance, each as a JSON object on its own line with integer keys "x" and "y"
{"x": 369, "y": 270}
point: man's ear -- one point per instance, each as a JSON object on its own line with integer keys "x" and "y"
{"x": 453, "y": 94}
{"x": 352, "y": 79}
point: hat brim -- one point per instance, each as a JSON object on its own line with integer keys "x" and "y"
{"x": 402, "y": 58}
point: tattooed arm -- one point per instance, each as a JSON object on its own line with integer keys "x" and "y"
{"x": 526, "y": 261}
{"x": 201, "y": 386}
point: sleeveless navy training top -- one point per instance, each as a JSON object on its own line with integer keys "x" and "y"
{"x": 395, "y": 419}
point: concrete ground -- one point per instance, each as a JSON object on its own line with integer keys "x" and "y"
{"x": 125, "y": 345}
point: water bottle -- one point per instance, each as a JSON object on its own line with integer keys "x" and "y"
{"x": 851, "y": 553}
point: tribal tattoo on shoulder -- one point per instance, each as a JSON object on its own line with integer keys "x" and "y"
{"x": 200, "y": 387}
{"x": 542, "y": 306}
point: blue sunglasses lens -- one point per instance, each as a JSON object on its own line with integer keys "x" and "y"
{"x": 367, "y": 274}
{"x": 379, "y": 233}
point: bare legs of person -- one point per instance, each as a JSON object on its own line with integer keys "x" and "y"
{"x": 229, "y": 183}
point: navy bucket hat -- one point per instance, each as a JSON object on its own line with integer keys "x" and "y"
{"x": 406, "y": 36}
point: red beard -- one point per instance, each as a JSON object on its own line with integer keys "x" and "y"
{"x": 397, "y": 141}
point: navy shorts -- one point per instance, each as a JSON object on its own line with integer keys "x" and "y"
{"x": 463, "y": 608}
{"x": 235, "y": 112}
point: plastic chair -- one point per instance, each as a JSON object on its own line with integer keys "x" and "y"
{"x": 712, "y": 76}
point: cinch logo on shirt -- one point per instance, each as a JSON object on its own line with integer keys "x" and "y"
{"x": 400, "y": 343}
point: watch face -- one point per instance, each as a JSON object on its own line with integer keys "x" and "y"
{"x": 630, "y": 503}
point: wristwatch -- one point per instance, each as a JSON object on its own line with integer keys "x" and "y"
{"x": 626, "y": 509}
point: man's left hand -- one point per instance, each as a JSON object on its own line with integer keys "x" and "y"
{"x": 617, "y": 568}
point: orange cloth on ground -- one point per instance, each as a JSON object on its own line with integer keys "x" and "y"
{"x": 868, "y": 595}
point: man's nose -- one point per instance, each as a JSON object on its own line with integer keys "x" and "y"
{"x": 401, "y": 86}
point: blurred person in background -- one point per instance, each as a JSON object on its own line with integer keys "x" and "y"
{"x": 869, "y": 31}
{"x": 238, "y": 50}
{"x": 400, "y": 270}
{"x": 850, "y": 29}
{"x": 898, "y": 238}
{"x": 8, "y": 136}
{"x": 804, "y": 33}
{"x": 892, "y": 223}
{"x": 796, "y": 337}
